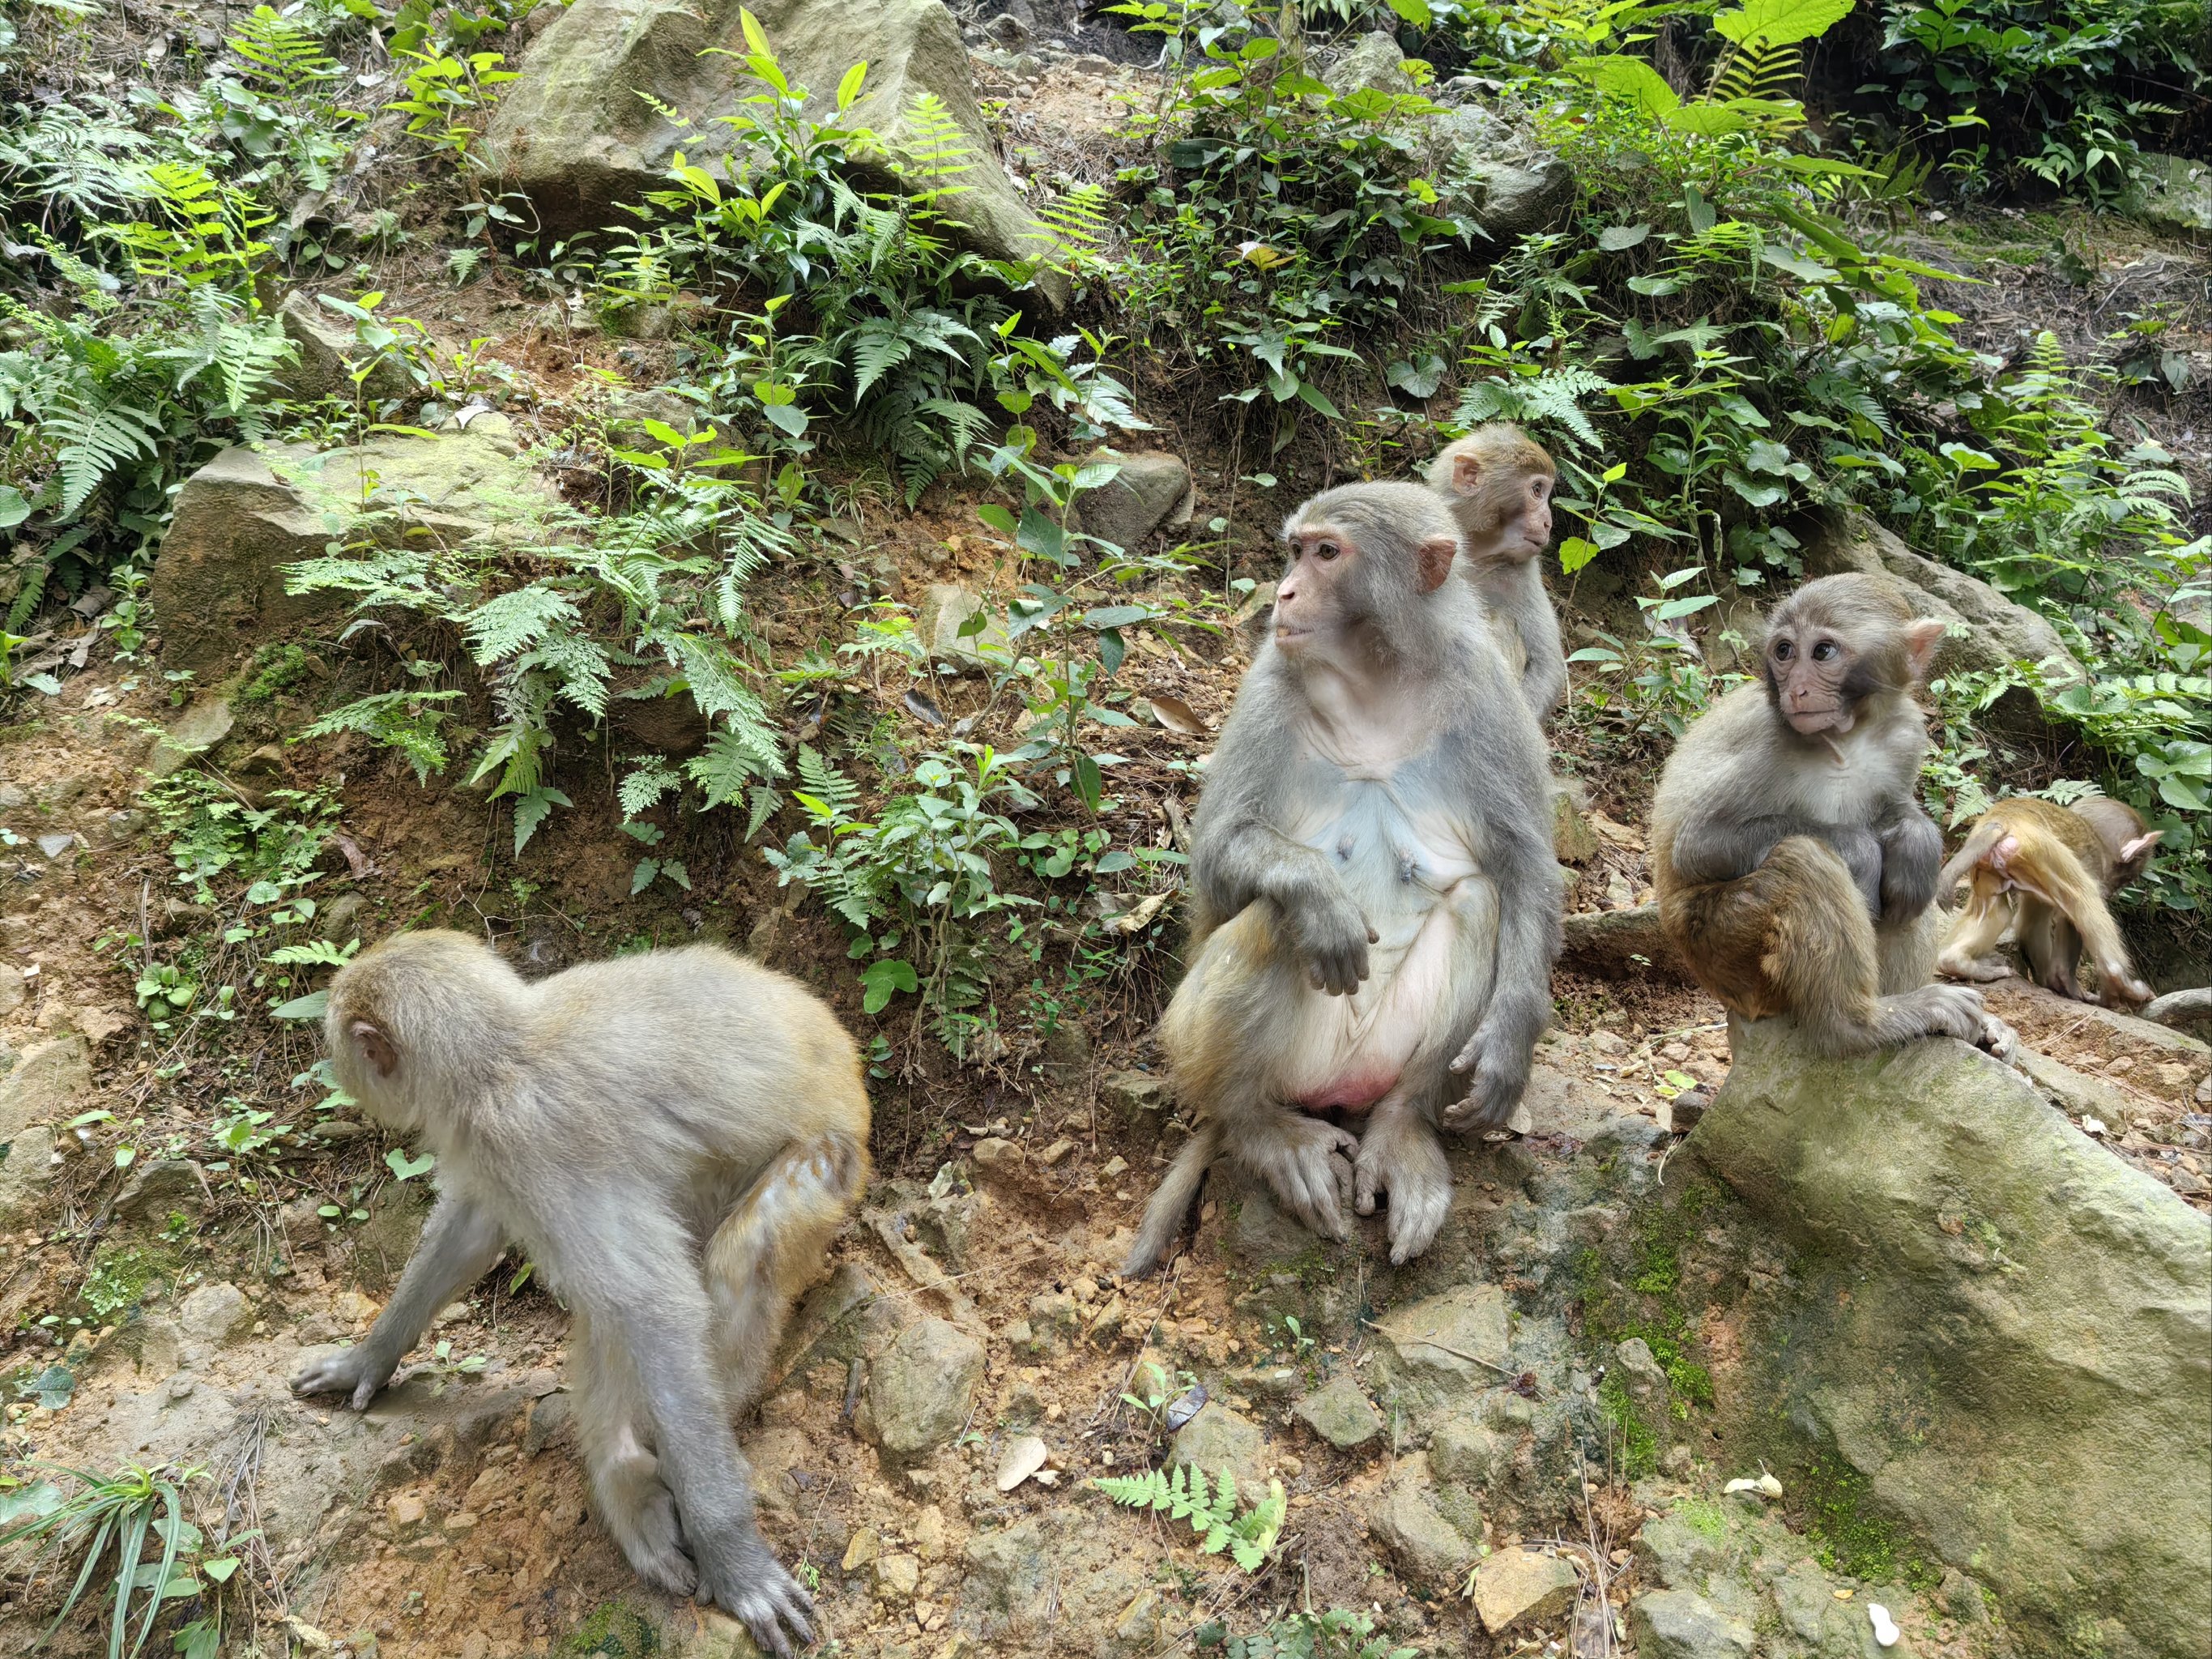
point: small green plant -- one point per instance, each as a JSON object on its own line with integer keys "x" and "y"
{"x": 1338, "y": 1633}
{"x": 133, "y": 1522}
{"x": 1184, "y": 1496}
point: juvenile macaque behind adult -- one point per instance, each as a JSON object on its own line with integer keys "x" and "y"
{"x": 674, "y": 1138}
{"x": 1794, "y": 866}
{"x": 1375, "y": 904}
{"x": 2042, "y": 872}
{"x": 1497, "y": 482}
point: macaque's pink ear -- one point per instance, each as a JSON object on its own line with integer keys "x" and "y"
{"x": 1435, "y": 558}
{"x": 1466, "y": 472}
{"x": 376, "y": 1047}
{"x": 1923, "y": 639}
{"x": 2141, "y": 844}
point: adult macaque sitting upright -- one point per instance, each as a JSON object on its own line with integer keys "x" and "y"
{"x": 1793, "y": 867}
{"x": 1376, "y": 907}
{"x": 675, "y": 1138}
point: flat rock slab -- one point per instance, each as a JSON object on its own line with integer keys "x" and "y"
{"x": 1516, "y": 1586}
{"x": 1342, "y": 1415}
{"x": 1219, "y": 1441}
{"x": 1442, "y": 1351}
{"x": 921, "y": 1389}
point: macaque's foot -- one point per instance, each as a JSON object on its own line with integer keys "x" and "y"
{"x": 1998, "y": 1040}
{"x": 1408, "y": 1163}
{"x": 655, "y": 1544}
{"x": 757, "y": 1590}
{"x": 1307, "y": 1163}
{"x": 1949, "y": 1011}
{"x": 2123, "y": 994}
{"x": 354, "y": 1372}
{"x": 1980, "y": 970}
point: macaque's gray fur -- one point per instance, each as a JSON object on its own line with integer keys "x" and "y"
{"x": 674, "y": 1138}
{"x": 1376, "y": 906}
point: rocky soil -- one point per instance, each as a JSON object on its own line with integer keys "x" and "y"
{"x": 1574, "y": 1428}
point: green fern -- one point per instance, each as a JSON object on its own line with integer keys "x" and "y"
{"x": 406, "y": 720}
{"x": 1182, "y": 1496}
{"x": 93, "y": 438}
{"x": 1554, "y": 396}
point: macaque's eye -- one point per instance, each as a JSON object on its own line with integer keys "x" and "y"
{"x": 1782, "y": 650}
{"x": 1326, "y": 549}
{"x": 1825, "y": 651}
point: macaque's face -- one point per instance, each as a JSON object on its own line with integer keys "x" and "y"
{"x": 1815, "y": 677}
{"x": 1530, "y": 526}
{"x": 1512, "y": 500}
{"x": 1312, "y": 608}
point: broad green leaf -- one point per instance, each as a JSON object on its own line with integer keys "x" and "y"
{"x": 405, "y": 1168}
{"x": 1781, "y": 22}
{"x": 1115, "y": 616}
{"x": 1614, "y": 238}
{"x": 309, "y": 1007}
{"x": 1630, "y": 78}
{"x": 847, "y": 90}
{"x": 1574, "y": 554}
{"x": 884, "y": 979}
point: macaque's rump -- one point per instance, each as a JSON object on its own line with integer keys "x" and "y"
{"x": 2042, "y": 873}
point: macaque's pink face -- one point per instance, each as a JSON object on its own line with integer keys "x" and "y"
{"x": 1310, "y": 601}
{"x": 1815, "y": 679}
{"x": 1513, "y": 499}
{"x": 1531, "y": 525}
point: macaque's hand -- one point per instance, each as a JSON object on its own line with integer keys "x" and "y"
{"x": 1912, "y": 861}
{"x": 738, "y": 1573}
{"x": 1498, "y": 1057}
{"x": 355, "y": 1371}
{"x": 1332, "y": 937}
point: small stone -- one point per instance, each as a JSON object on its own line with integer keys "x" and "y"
{"x": 1219, "y": 1441}
{"x": 897, "y": 1577}
{"x": 12, "y": 990}
{"x": 180, "y": 1388}
{"x": 1515, "y": 1585}
{"x": 51, "y": 1082}
{"x": 205, "y": 724}
{"x": 1679, "y": 1623}
{"x": 1137, "y": 1097}
{"x": 866, "y": 1545}
{"x": 155, "y": 1189}
{"x": 1341, "y": 1413}
{"x": 996, "y": 1159}
{"x": 1433, "y": 1553}
{"x": 1054, "y": 1153}
{"x": 460, "y": 1523}
{"x": 405, "y": 1509}
{"x": 921, "y": 1390}
{"x": 1113, "y": 1169}
{"x": 213, "y": 1313}
{"x": 26, "y": 1172}
{"x": 1465, "y": 1454}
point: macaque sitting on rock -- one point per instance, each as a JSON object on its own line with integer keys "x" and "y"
{"x": 1793, "y": 867}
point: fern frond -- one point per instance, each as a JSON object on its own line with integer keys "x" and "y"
{"x": 650, "y": 777}
{"x": 396, "y": 720}
{"x": 94, "y": 437}
{"x": 825, "y": 782}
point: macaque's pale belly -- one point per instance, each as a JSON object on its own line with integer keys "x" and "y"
{"x": 1420, "y": 888}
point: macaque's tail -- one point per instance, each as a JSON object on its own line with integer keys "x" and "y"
{"x": 1983, "y": 835}
{"x": 1164, "y": 1216}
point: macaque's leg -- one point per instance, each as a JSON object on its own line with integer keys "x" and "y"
{"x": 1821, "y": 958}
{"x": 459, "y": 1243}
{"x": 1970, "y": 951}
{"x": 1170, "y": 1202}
{"x": 1231, "y": 1020}
{"x": 2089, "y": 925}
{"x": 1905, "y": 951}
{"x": 1401, "y": 1155}
{"x": 770, "y": 1248}
{"x": 633, "y": 1501}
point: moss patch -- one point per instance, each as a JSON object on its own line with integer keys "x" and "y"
{"x": 121, "y": 1274}
{"x": 1852, "y": 1539}
{"x": 1641, "y": 1297}
{"x": 614, "y": 1630}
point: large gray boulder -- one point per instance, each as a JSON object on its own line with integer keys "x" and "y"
{"x": 576, "y": 134}
{"x": 47, "y": 1082}
{"x": 1498, "y": 175}
{"x": 2005, "y": 1331}
{"x": 219, "y": 581}
{"x": 2173, "y": 192}
{"x": 2000, "y": 633}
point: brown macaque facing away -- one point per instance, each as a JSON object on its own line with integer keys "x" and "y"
{"x": 675, "y": 1138}
{"x": 1376, "y": 907}
{"x": 1497, "y": 482}
{"x": 1793, "y": 867}
{"x": 2043, "y": 872}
